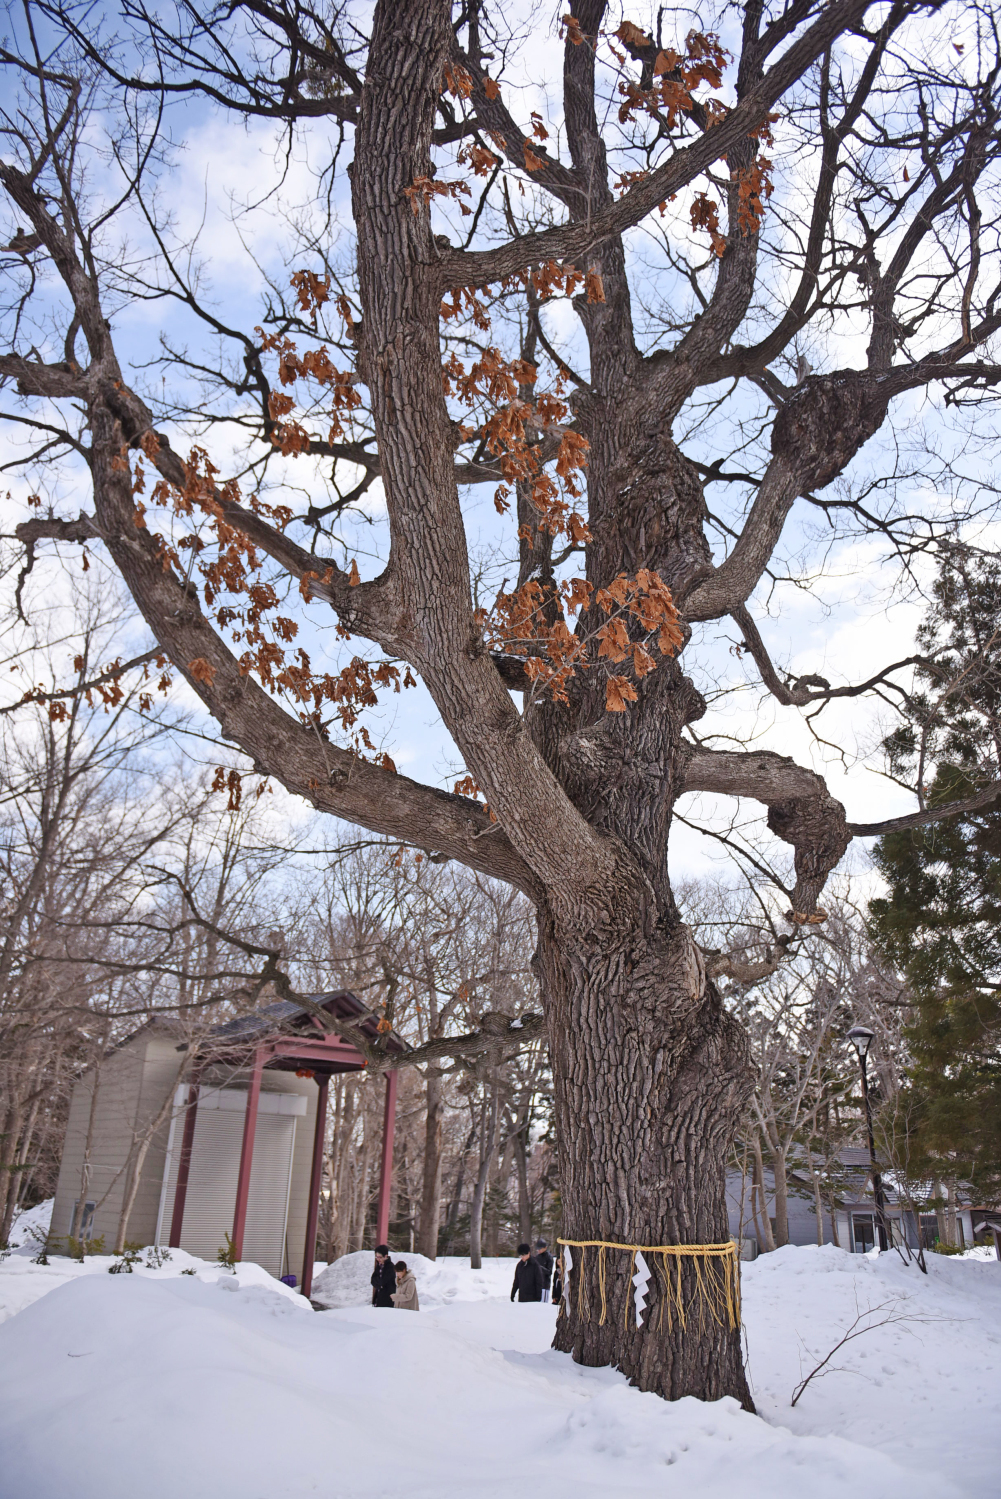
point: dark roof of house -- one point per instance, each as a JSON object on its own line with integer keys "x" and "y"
{"x": 852, "y": 1155}
{"x": 853, "y": 1184}
{"x": 285, "y": 1015}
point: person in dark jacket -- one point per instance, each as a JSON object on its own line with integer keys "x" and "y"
{"x": 383, "y": 1277}
{"x": 527, "y": 1276}
{"x": 544, "y": 1260}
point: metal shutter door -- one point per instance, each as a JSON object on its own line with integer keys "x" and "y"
{"x": 267, "y": 1204}
{"x": 211, "y": 1194}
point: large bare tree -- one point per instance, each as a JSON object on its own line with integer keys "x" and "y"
{"x": 781, "y": 331}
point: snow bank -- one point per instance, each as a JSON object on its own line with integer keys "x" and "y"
{"x": 926, "y": 1389}
{"x": 215, "y": 1386}
{"x": 22, "y": 1282}
{"x": 983, "y": 1252}
{"x": 31, "y": 1226}
{"x": 347, "y": 1282}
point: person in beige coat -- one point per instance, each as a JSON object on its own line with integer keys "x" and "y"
{"x": 405, "y": 1295}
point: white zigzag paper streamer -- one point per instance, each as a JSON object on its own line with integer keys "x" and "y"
{"x": 641, "y": 1281}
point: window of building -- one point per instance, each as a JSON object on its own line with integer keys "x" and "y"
{"x": 863, "y": 1232}
{"x": 85, "y": 1223}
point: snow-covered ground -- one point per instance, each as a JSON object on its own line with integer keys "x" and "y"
{"x": 219, "y": 1385}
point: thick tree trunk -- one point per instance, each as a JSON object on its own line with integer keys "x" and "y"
{"x": 9, "y": 1141}
{"x": 480, "y": 1191}
{"x": 781, "y": 1197}
{"x": 140, "y": 1152}
{"x": 951, "y": 1214}
{"x": 427, "y": 1243}
{"x": 524, "y": 1202}
{"x": 762, "y": 1221}
{"x": 650, "y": 1077}
{"x": 76, "y": 1227}
{"x": 818, "y": 1206}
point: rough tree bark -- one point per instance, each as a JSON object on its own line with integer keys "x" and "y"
{"x": 762, "y": 1219}
{"x": 488, "y": 1142}
{"x": 778, "y": 1165}
{"x": 427, "y": 1243}
{"x": 520, "y": 1143}
{"x": 818, "y": 1206}
{"x": 643, "y": 1164}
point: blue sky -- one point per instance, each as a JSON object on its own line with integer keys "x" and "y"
{"x": 231, "y": 193}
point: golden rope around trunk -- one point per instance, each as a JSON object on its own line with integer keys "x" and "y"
{"x": 717, "y": 1275}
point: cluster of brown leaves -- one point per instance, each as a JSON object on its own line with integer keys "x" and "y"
{"x": 518, "y": 416}
{"x": 104, "y": 690}
{"x": 474, "y": 154}
{"x": 232, "y": 783}
{"x": 752, "y": 184}
{"x": 311, "y": 292}
{"x": 560, "y": 278}
{"x": 631, "y": 621}
{"x": 457, "y": 81}
{"x": 704, "y": 214}
{"x": 574, "y": 32}
{"x": 515, "y": 414}
{"x": 423, "y": 189}
{"x": 232, "y": 571}
{"x": 290, "y": 437}
{"x": 467, "y": 787}
{"x": 676, "y": 77}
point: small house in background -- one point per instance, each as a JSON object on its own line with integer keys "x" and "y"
{"x": 853, "y": 1226}
{"x": 233, "y": 1136}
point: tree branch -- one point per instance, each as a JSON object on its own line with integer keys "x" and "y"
{"x": 798, "y": 692}
{"x": 981, "y": 799}
{"x": 36, "y": 695}
{"x": 801, "y": 811}
{"x": 573, "y": 240}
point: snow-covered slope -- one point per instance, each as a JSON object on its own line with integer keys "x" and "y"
{"x": 22, "y": 1282}
{"x": 218, "y": 1385}
{"x": 31, "y": 1226}
{"x": 925, "y": 1389}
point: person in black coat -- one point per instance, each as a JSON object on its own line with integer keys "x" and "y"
{"x": 527, "y": 1276}
{"x": 545, "y": 1262}
{"x": 383, "y": 1277}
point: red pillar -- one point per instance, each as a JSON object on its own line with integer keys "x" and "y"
{"x": 315, "y": 1176}
{"x": 386, "y": 1171}
{"x": 247, "y": 1155}
{"x": 184, "y": 1165}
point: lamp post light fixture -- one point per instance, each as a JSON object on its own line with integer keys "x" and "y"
{"x": 862, "y": 1038}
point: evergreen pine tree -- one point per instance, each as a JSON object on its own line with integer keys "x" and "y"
{"x": 940, "y": 923}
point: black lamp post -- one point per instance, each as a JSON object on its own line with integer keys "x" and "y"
{"x": 862, "y": 1038}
